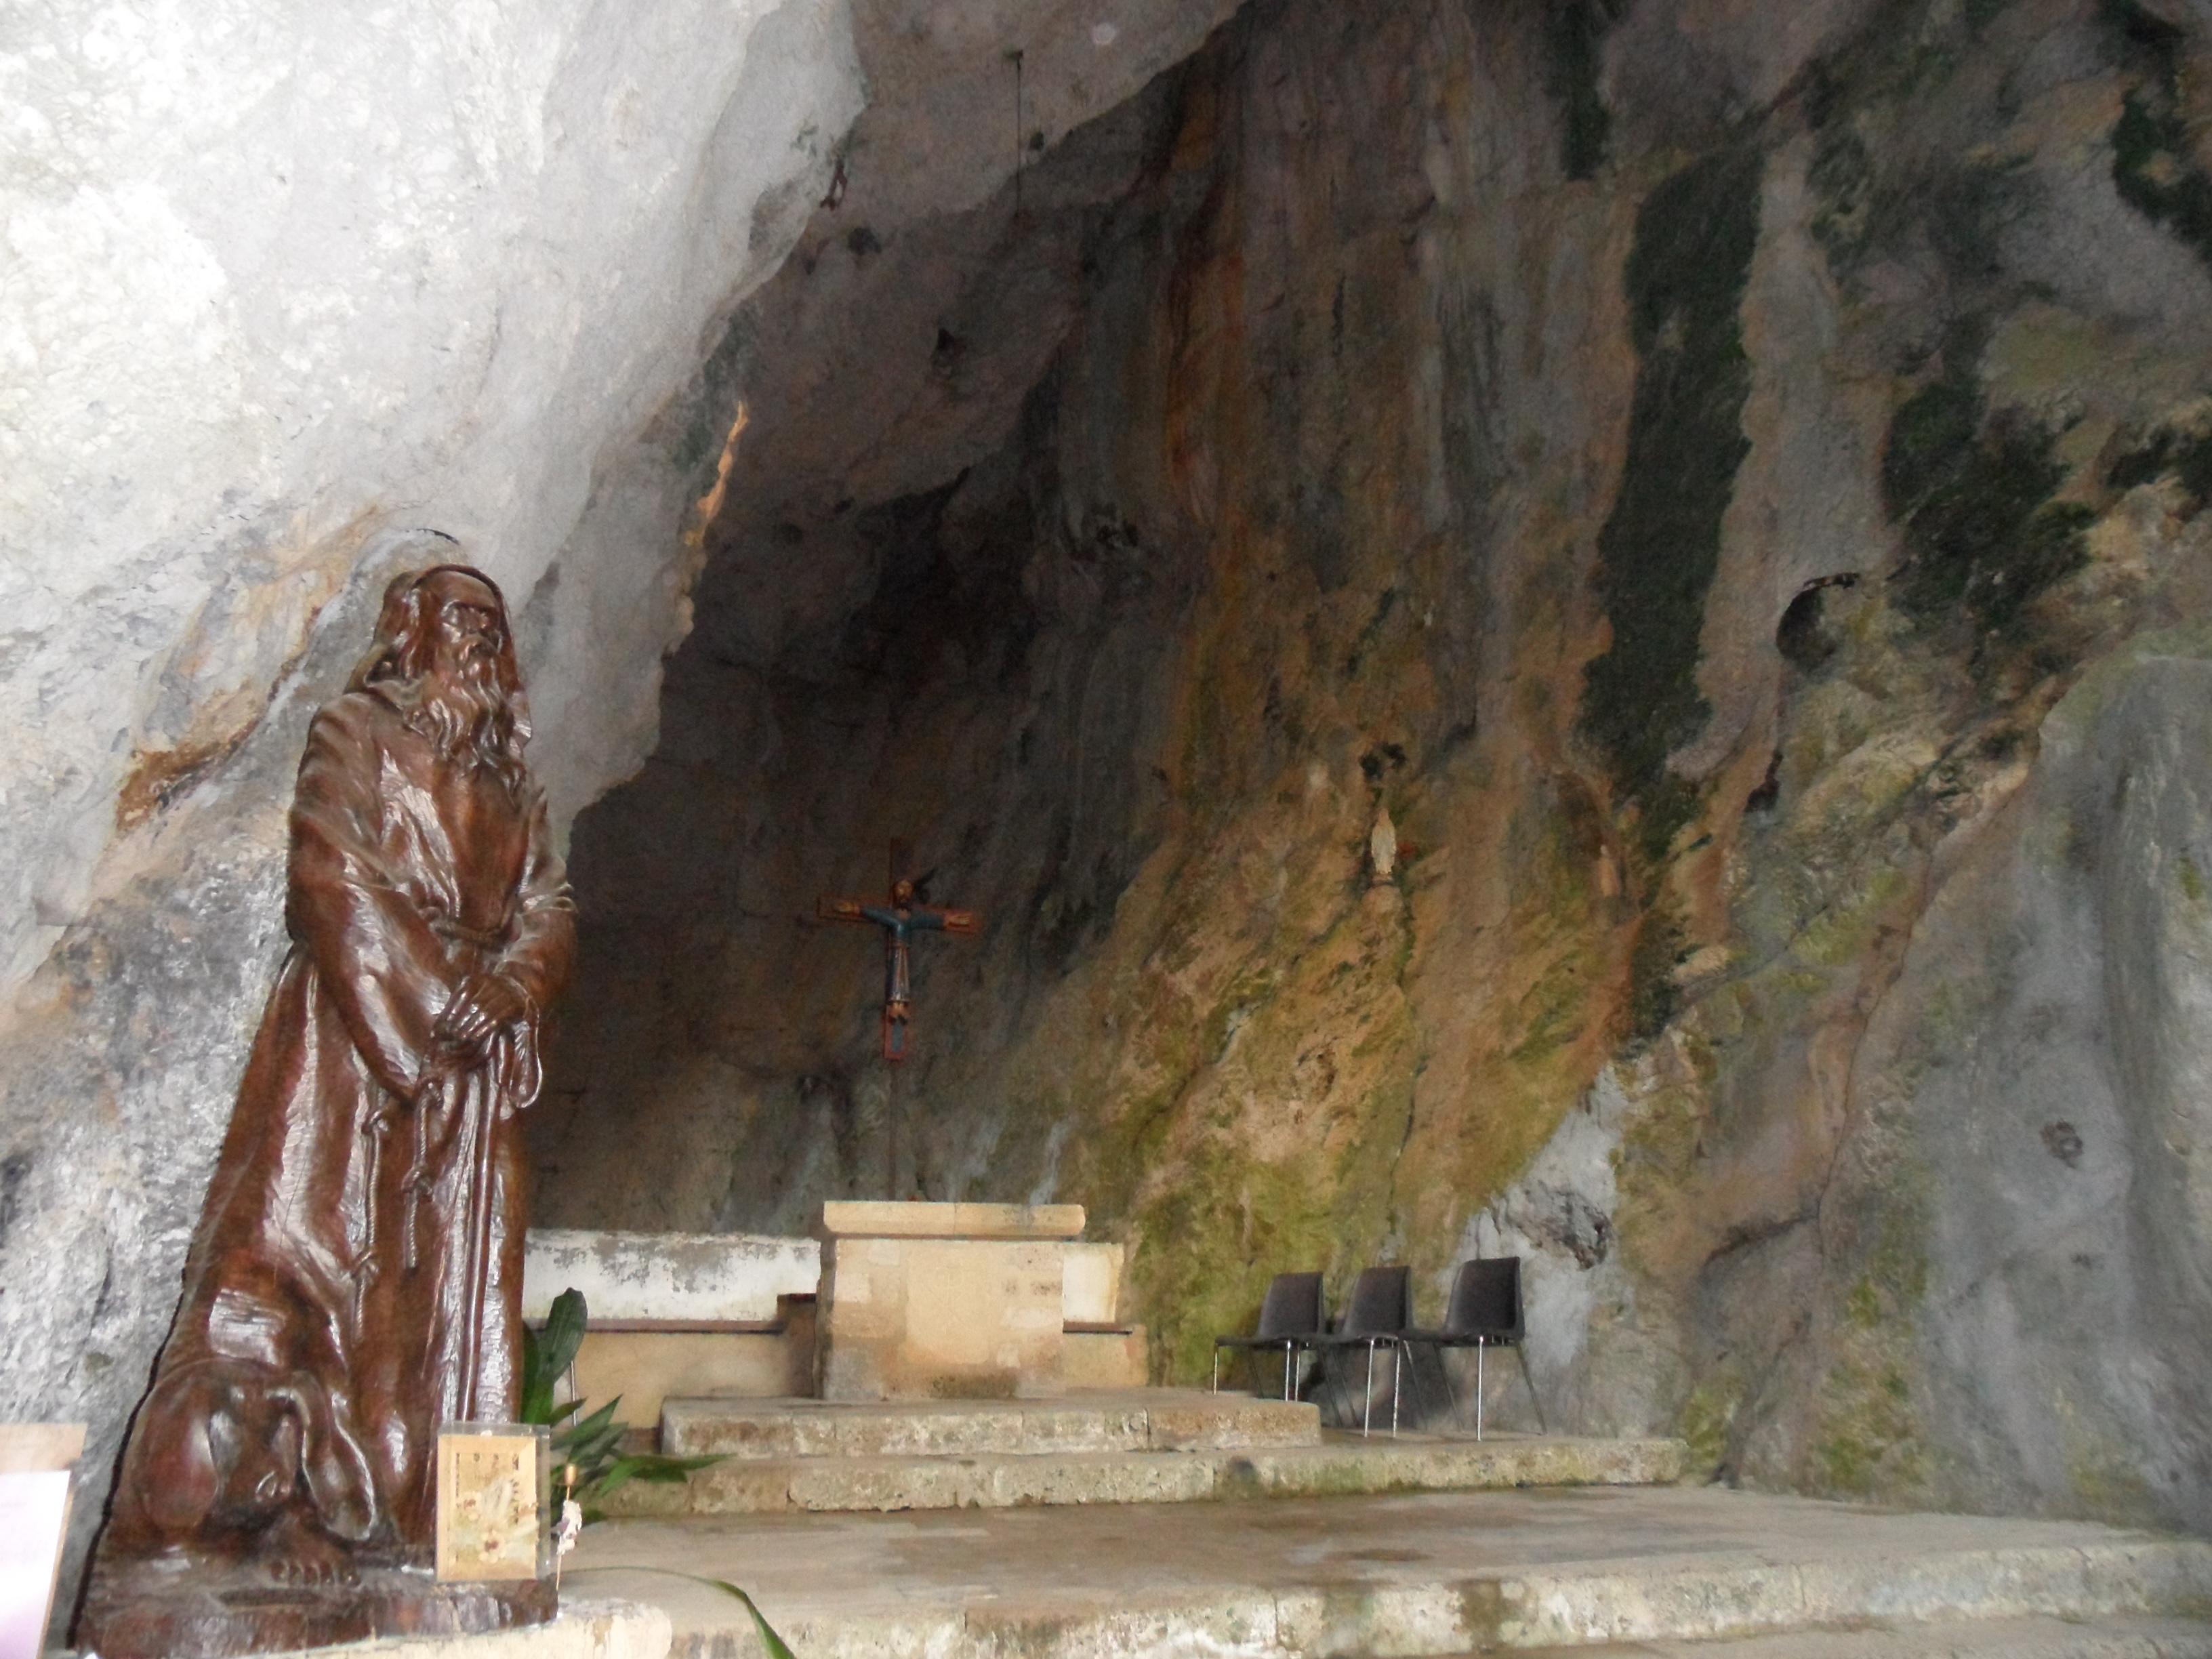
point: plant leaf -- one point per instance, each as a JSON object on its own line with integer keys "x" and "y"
{"x": 591, "y": 1444}
{"x": 776, "y": 1645}
{"x": 547, "y": 1354}
{"x": 537, "y": 1405}
{"x": 653, "y": 1467}
{"x": 587, "y": 1452}
{"x": 567, "y": 1319}
{"x": 598, "y": 1421}
{"x": 612, "y": 1479}
{"x": 564, "y": 1331}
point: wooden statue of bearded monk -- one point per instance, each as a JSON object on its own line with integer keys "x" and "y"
{"x": 357, "y": 1277}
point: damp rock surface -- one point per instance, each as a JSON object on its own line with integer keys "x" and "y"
{"x": 1732, "y": 495}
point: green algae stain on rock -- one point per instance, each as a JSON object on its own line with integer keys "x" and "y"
{"x": 2105, "y": 1472}
{"x": 1840, "y": 934}
{"x": 2153, "y": 168}
{"x": 1252, "y": 1123}
{"x": 1706, "y": 1418}
{"x": 1660, "y": 545}
{"x": 1973, "y": 490}
{"x": 1235, "y": 1221}
{"x": 1656, "y": 1162}
{"x": 1574, "y": 35}
{"x": 1870, "y": 1440}
{"x": 1653, "y": 996}
{"x": 2183, "y": 455}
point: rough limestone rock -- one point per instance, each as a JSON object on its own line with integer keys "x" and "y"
{"x": 283, "y": 288}
{"x": 1730, "y": 487}
{"x": 1716, "y": 480}
{"x": 281, "y": 284}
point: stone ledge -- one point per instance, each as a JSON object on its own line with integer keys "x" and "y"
{"x": 1348, "y": 1466}
{"x": 983, "y": 1480}
{"x": 673, "y": 1278}
{"x": 892, "y": 1218}
{"x": 1131, "y": 1419}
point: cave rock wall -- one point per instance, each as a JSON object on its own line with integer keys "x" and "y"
{"x": 1732, "y": 488}
{"x": 284, "y": 288}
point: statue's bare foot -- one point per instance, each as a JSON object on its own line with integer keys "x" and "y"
{"x": 297, "y": 1553}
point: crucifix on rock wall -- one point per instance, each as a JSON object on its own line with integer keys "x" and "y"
{"x": 901, "y": 918}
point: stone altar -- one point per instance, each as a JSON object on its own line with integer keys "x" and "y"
{"x": 689, "y": 1315}
{"x": 958, "y": 1301}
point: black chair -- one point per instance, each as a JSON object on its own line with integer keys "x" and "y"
{"x": 1376, "y": 1317}
{"x": 1290, "y": 1319}
{"x": 1485, "y": 1313}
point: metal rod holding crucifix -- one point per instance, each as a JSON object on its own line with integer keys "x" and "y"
{"x": 900, "y": 917}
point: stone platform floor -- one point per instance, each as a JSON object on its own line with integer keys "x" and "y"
{"x": 1438, "y": 1574}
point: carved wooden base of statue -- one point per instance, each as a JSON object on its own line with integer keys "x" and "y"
{"x": 356, "y": 1277}
{"x": 185, "y": 1607}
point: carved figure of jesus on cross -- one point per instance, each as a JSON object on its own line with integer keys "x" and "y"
{"x": 901, "y": 918}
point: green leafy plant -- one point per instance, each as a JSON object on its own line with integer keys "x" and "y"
{"x": 591, "y": 1443}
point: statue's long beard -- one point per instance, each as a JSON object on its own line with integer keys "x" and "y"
{"x": 468, "y": 718}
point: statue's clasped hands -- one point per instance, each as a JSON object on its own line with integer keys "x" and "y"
{"x": 481, "y": 1006}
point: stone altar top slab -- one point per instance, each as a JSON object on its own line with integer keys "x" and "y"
{"x": 698, "y": 1279}
{"x": 895, "y": 1218}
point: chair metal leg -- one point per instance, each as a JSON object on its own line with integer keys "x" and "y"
{"x": 1290, "y": 1358}
{"x": 1217, "y": 1370}
{"x": 1518, "y": 1353}
{"x": 1397, "y": 1375}
{"x": 1367, "y": 1397}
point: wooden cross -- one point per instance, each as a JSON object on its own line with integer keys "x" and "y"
{"x": 900, "y": 917}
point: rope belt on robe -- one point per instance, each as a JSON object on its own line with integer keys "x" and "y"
{"x": 491, "y": 942}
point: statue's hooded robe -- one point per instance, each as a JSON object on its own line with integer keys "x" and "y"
{"x": 325, "y": 1329}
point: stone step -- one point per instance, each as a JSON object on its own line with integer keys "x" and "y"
{"x": 1992, "y": 1638}
{"x": 623, "y": 1631}
{"x": 1124, "y": 1420}
{"x": 1572, "y": 1567}
{"x": 1347, "y": 1464}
